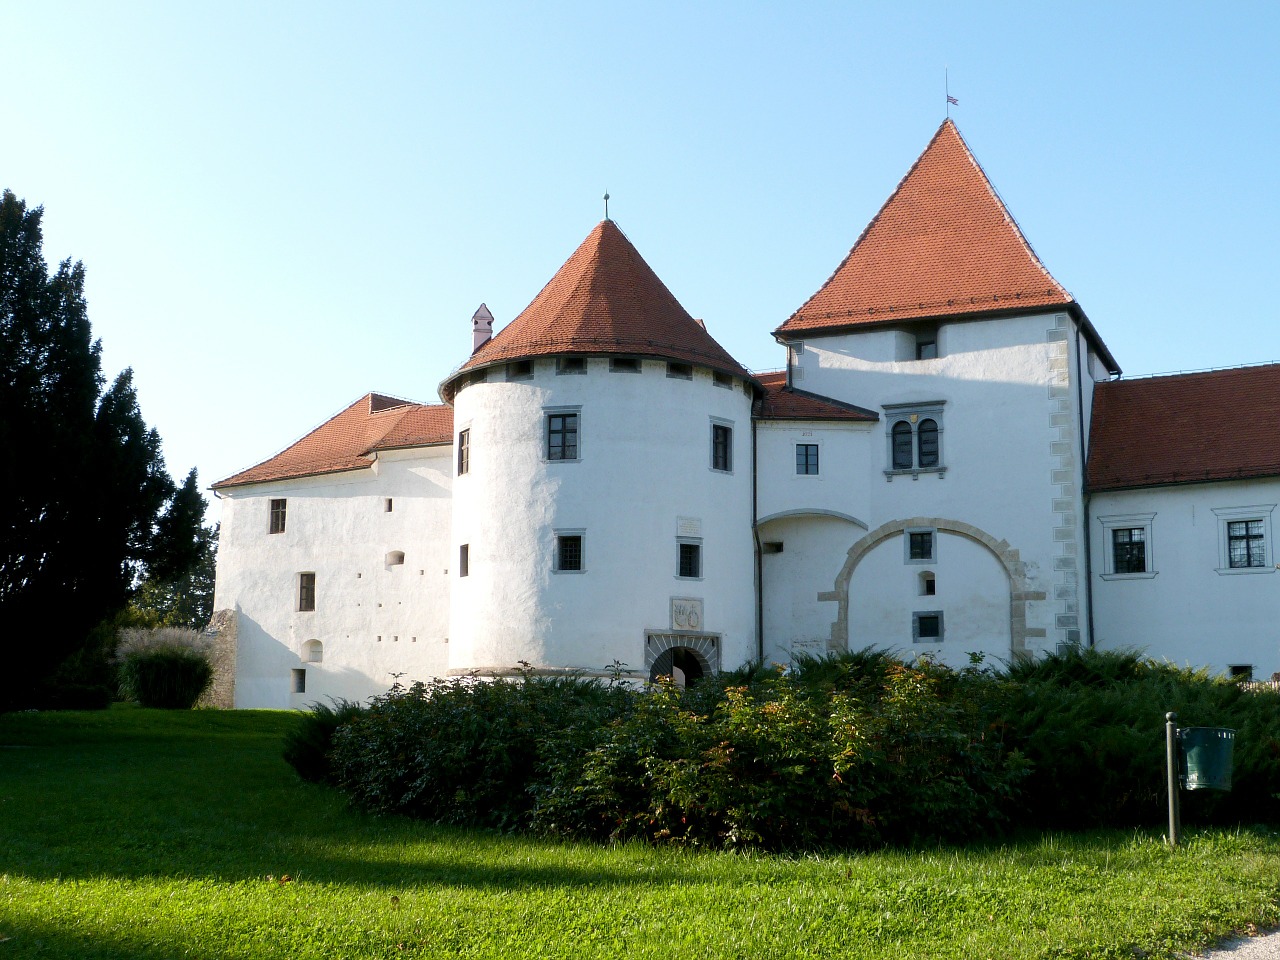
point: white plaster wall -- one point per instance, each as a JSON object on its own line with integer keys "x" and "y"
{"x": 813, "y": 551}
{"x": 1005, "y": 457}
{"x": 645, "y": 461}
{"x": 972, "y": 593}
{"x": 1189, "y": 612}
{"x": 337, "y": 527}
{"x": 843, "y": 483}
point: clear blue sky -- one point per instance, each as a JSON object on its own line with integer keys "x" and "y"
{"x": 283, "y": 206}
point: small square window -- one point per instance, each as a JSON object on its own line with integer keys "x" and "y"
{"x": 464, "y": 451}
{"x": 771, "y": 546}
{"x": 520, "y": 370}
{"x": 690, "y": 560}
{"x": 306, "y": 592}
{"x": 721, "y": 447}
{"x": 680, "y": 371}
{"x": 920, "y": 546}
{"x": 464, "y": 560}
{"x": 277, "y": 515}
{"x": 1129, "y": 549}
{"x": 807, "y": 459}
{"x": 568, "y": 366}
{"x": 926, "y": 626}
{"x": 1241, "y": 671}
{"x": 624, "y": 365}
{"x": 723, "y": 380}
{"x": 928, "y": 584}
{"x": 569, "y": 555}
{"x": 562, "y": 436}
{"x": 926, "y": 349}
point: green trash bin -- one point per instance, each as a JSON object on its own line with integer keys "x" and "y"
{"x": 1206, "y": 757}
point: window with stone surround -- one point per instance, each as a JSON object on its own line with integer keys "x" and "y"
{"x": 570, "y": 556}
{"x": 1244, "y": 539}
{"x": 914, "y": 435}
{"x": 1127, "y": 551}
{"x": 562, "y": 433}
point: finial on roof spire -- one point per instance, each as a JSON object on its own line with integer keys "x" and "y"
{"x": 606, "y": 204}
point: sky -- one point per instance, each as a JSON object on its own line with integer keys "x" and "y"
{"x": 283, "y": 206}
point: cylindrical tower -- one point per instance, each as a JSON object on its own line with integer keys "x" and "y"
{"x": 602, "y": 504}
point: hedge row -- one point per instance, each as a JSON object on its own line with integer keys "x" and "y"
{"x": 859, "y": 750}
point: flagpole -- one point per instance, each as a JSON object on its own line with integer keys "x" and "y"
{"x": 946, "y": 83}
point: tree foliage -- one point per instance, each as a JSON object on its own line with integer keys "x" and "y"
{"x": 89, "y": 508}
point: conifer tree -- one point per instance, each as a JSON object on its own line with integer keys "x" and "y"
{"x": 88, "y": 506}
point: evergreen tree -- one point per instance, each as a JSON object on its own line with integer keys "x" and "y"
{"x": 88, "y": 504}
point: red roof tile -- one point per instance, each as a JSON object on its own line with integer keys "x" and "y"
{"x": 1186, "y": 428}
{"x": 780, "y": 402}
{"x": 942, "y": 245}
{"x": 349, "y": 440}
{"x": 604, "y": 300}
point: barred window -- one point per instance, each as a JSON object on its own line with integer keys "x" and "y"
{"x": 569, "y": 554}
{"x": 1129, "y": 550}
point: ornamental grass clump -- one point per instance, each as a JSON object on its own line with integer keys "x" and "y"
{"x": 168, "y": 668}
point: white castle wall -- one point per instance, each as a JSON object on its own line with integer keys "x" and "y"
{"x": 1190, "y": 607}
{"x": 374, "y": 619}
{"x": 1010, "y": 420}
{"x": 644, "y": 468}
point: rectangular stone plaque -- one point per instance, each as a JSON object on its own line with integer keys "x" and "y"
{"x": 686, "y": 613}
{"x": 688, "y": 527}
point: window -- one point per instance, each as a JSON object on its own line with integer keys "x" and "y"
{"x": 299, "y": 678}
{"x": 680, "y": 371}
{"x": 915, "y": 438}
{"x": 277, "y": 515}
{"x": 569, "y": 554}
{"x": 562, "y": 436}
{"x": 1129, "y": 549}
{"x": 520, "y": 370}
{"x": 464, "y": 451}
{"x": 464, "y": 560}
{"x": 1244, "y": 539}
{"x": 306, "y": 592}
{"x": 624, "y": 365}
{"x": 920, "y": 543}
{"x": 926, "y": 626}
{"x": 1246, "y": 544}
{"x": 928, "y": 584}
{"x": 387, "y": 505}
{"x": 395, "y": 558}
{"x": 807, "y": 459}
{"x": 1126, "y": 552}
{"x": 689, "y": 562}
{"x": 722, "y": 380}
{"x": 926, "y": 347}
{"x": 771, "y": 546}
{"x": 1241, "y": 671}
{"x": 722, "y": 447}
{"x": 312, "y": 651}
{"x": 571, "y": 365}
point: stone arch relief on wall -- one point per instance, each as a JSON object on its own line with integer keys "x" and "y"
{"x": 1019, "y": 593}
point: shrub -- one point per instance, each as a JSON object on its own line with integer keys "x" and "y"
{"x": 465, "y": 751}
{"x": 167, "y": 668}
{"x": 307, "y": 745}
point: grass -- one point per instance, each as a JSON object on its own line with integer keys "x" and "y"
{"x": 146, "y": 834}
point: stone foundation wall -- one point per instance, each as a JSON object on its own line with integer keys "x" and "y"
{"x": 221, "y": 632}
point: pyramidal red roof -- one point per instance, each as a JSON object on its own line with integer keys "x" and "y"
{"x": 348, "y": 440}
{"x": 942, "y": 245}
{"x": 604, "y": 300}
{"x": 1185, "y": 428}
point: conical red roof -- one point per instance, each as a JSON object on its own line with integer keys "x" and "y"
{"x": 604, "y": 300}
{"x": 942, "y": 245}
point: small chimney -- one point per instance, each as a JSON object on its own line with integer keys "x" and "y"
{"x": 481, "y": 328}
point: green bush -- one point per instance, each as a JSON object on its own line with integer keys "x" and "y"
{"x": 307, "y": 745}
{"x": 169, "y": 679}
{"x": 465, "y": 751}
{"x": 1093, "y": 726}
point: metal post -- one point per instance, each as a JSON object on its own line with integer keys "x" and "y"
{"x": 1171, "y": 762}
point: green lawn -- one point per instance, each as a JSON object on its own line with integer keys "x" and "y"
{"x": 136, "y": 833}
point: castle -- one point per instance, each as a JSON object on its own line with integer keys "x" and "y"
{"x": 948, "y": 464}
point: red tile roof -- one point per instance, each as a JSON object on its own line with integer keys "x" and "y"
{"x": 780, "y": 402}
{"x": 1186, "y": 428}
{"x": 349, "y": 440}
{"x": 943, "y": 245}
{"x": 604, "y": 300}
